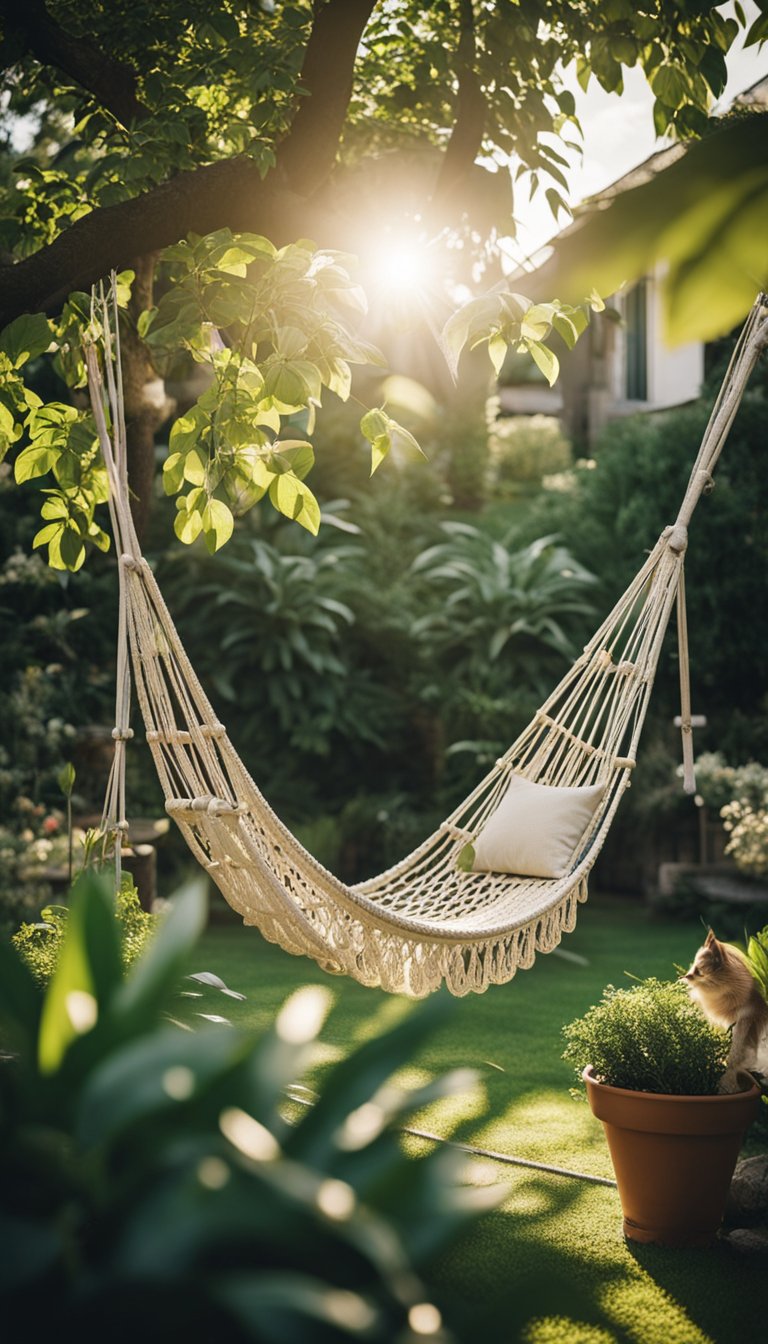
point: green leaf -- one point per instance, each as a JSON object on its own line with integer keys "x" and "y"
{"x": 544, "y": 360}
{"x": 71, "y": 1006}
{"x": 497, "y": 349}
{"x": 71, "y": 549}
{"x": 379, "y": 450}
{"x": 294, "y": 499}
{"x": 465, "y": 858}
{"x": 194, "y": 468}
{"x": 298, "y": 455}
{"x": 25, "y": 338}
{"x": 46, "y": 534}
{"x": 154, "y": 975}
{"x": 35, "y": 461}
{"x": 188, "y": 525}
{"x": 218, "y": 525}
{"x": 374, "y": 424}
{"x": 402, "y": 438}
{"x": 173, "y": 473}
{"x": 132, "y": 1083}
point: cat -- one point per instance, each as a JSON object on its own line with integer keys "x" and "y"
{"x": 720, "y": 982}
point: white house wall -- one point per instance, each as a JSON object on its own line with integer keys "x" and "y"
{"x": 675, "y": 373}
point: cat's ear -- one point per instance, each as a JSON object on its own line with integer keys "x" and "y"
{"x": 714, "y": 948}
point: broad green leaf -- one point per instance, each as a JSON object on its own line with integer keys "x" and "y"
{"x": 187, "y": 430}
{"x": 153, "y": 977}
{"x": 137, "y": 1081}
{"x": 497, "y": 349}
{"x": 537, "y": 321}
{"x": 173, "y": 473}
{"x": 46, "y": 534}
{"x": 52, "y": 416}
{"x": 35, "y": 461}
{"x": 26, "y": 338}
{"x": 194, "y": 468}
{"x": 544, "y": 359}
{"x": 71, "y": 1006}
{"x": 294, "y": 499}
{"x": 286, "y": 386}
{"x": 72, "y": 549}
{"x": 374, "y": 423}
{"x": 188, "y": 526}
{"x": 298, "y": 455}
{"x": 218, "y": 525}
{"x": 55, "y": 506}
{"x": 340, "y": 379}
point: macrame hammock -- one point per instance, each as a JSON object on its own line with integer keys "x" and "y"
{"x": 425, "y": 921}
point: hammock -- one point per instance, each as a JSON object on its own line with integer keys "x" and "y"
{"x": 425, "y": 921}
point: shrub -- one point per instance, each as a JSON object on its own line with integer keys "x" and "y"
{"x": 524, "y": 449}
{"x": 650, "y": 1038}
{"x": 40, "y": 944}
{"x": 740, "y": 795}
{"x": 617, "y": 510}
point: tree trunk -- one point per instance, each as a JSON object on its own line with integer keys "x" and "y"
{"x": 147, "y": 405}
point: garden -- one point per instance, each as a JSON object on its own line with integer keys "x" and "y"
{"x": 257, "y": 331}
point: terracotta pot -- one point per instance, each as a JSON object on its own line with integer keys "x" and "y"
{"x": 673, "y": 1158}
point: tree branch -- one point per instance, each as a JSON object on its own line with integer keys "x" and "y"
{"x": 111, "y": 82}
{"x": 307, "y": 154}
{"x": 467, "y": 134}
{"x": 218, "y": 195}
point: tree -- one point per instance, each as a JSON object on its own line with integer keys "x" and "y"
{"x": 207, "y": 119}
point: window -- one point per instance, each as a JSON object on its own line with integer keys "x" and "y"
{"x": 636, "y": 344}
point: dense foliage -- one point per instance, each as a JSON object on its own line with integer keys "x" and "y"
{"x": 650, "y": 1038}
{"x": 41, "y": 944}
{"x": 151, "y": 1182}
{"x": 343, "y": 123}
{"x": 616, "y": 508}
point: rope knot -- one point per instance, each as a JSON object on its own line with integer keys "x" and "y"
{"x": 677, "y": 538}
{"x": 130, "y": 562}
{"x": 122, "y": 734}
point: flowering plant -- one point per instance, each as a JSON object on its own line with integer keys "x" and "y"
{"x": 740, "y": 794}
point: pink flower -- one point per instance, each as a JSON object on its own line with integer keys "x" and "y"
{"x": 50, "y": 825}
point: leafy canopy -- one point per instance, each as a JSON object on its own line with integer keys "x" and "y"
{"x": 229, "y": 125}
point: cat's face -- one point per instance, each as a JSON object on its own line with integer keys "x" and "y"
{"x": 707, "y": 965}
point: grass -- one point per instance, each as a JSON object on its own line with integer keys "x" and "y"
{"x": 550, "y": 1266}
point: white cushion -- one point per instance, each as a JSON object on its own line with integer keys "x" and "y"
{"x": 535, "y": 828}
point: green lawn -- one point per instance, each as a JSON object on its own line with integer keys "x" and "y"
{"x": 550, "y": 1266}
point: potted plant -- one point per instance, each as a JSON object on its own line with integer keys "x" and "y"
{"x": 651, "y": 1064}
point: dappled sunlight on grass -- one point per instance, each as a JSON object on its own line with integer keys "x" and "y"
{"x": 666, "y": 1323}
{"x": 550, "y": 1265}
{"x": 554, "y": 1329}
{"x": 548, "y": 1126}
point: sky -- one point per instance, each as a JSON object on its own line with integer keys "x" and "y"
{"x": 618, "y": 135}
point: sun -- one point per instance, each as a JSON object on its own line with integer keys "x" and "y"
{"x": 400, "y": 272}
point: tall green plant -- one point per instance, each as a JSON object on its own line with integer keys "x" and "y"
{"x": 150, "y": 1182}
{"x": 496, "y": 611}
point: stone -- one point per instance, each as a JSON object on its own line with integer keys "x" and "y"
{"x": 748, "y": 1196}
{"x": 749, "y": 1241}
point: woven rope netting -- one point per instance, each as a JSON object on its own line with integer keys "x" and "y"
{"x": 424, "y": 922}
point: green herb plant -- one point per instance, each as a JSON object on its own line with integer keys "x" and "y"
{"x": 650, "y": 1038}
